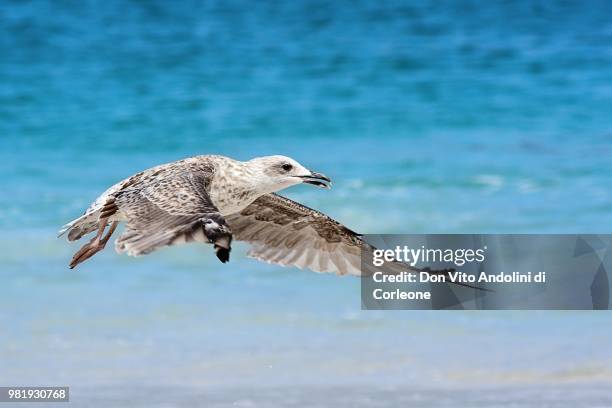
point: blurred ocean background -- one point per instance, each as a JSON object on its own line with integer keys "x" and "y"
{"x": 431, "y": 117}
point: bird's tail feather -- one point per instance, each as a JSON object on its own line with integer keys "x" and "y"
{"x": 66, "y": 227}
{"x": 81, "y": 226}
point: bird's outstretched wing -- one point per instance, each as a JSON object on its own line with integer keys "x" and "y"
{"x": 168, "y": 211}
{"x": 284, "y": 232}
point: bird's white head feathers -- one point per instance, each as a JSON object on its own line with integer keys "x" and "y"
{"x": 275, "y": 173}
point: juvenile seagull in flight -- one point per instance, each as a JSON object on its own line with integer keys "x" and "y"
{"x": 214, "y": 199}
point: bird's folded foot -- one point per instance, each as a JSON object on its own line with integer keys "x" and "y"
{"x": 222, "y": 253}
{"x": 219, "y": 234}
{"x": 87, "y": 251}
{"x": 94, "y": 246}
{"x": 223, "y": 247}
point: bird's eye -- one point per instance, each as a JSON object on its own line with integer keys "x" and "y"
{"x": 287, "y": 167}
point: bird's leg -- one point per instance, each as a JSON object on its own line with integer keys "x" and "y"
{"x": 95, "y": 245}
{"x": 110, "y": 231}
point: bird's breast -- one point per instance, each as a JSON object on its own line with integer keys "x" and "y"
{"x": 231, "y": 200}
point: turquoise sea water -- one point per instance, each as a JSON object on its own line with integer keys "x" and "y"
{"x": 429, "y": 116}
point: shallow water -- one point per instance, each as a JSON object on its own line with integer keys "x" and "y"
{"x": 443, "y": 117}
{"x": 361, "y": 396}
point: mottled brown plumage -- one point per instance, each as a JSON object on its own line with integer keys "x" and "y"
{"x": 189, "y": 200}
{"x": 214, "y": 199}
{"x": 284, "y": 232}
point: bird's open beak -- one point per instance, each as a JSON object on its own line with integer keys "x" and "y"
{"x": 317, "y": 179}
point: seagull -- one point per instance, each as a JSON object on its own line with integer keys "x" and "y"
{"x": 215, "y": 199}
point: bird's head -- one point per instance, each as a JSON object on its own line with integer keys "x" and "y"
{"x": 279, "y": 172}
